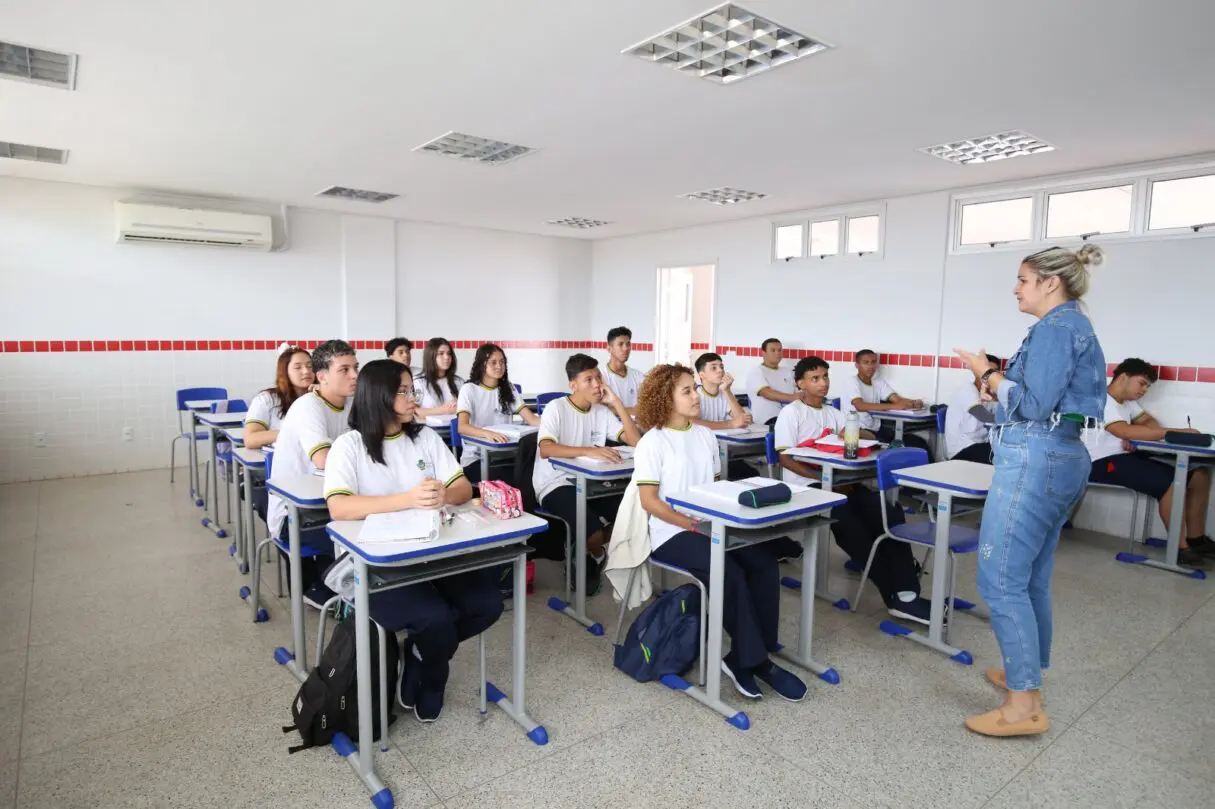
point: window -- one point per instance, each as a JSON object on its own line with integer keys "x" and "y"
{"x": 863, "y": 234}
{"x": 1084, "y": 213}
{"x": 825, "y": 238}
{"x": 790, "y": 241}
{"x": 1185, "y": 203}
{"x": 1006, "y": 220}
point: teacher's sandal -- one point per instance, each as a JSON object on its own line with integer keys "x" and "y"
{"x": 993, "y": 723}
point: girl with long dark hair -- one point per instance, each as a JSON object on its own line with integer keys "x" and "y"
{"x": 488, "y": 398}
{"x": 439, "y": 386}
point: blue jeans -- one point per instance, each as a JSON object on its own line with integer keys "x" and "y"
{"x": 1040, "y": 473}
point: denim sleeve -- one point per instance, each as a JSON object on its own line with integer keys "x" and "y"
{"x": 1048, "y": 361}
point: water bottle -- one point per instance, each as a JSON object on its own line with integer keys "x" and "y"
{"x": 852, "y": 435}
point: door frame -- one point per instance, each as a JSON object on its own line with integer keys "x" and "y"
{"x": 658, "y": 313}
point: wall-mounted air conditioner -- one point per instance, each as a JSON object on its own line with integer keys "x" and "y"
{"x": 160, "y": 224}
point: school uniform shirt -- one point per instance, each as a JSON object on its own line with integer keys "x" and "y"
{"x": 876, "y": 392}
{"x": 565, "y": 423}
{"x": 625, "y": 387}
{"x": 798, "y": 422}
{"x": 675, "y": 461}
{"x": 484, "y": 409}
{"x": 1101, "y": 442}
{"x": 714, "y": 407}
{"x": 351, "y": 470}
{"x": 311, "y": 425}
{"x": 429, "y": 400}
{"x": 963, "y": 430}
{"x": 780, "y": 379}
{"x": 264, "y": 410}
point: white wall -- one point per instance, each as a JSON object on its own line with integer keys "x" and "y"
{"x": 63, "y": 278}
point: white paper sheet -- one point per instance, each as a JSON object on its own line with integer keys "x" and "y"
{"x": 412, "y": 524}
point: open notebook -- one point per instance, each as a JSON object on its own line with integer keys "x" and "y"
{"x": 626, "y": 454}
{"x": 731, "y": 489}
{"x": 514, "y": 431}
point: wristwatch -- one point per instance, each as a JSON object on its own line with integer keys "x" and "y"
{"x": 986, "y": 376}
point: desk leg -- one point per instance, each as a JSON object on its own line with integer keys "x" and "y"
{"x": 578, "y": 612}
{"x": 195, "y": 484}
{"x": 935, "y": 639}
{"x": 811, "y": 538}
{"x": 517, "y": 709}
{"x": 898, "y": 430}
{"x": 296, "y": 657}
{"x": 211, "y": 523}
{"x": 250, "y": 534}
{"x": 822, "y": 574}
{"x": 484, "y": 463}
{"x": 238, "y": 524}
{"x": 1181, "y": 474}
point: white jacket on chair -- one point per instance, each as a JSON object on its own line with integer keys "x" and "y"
{"x": 629, "y": 549}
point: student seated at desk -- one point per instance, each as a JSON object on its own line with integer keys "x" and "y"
{"x": 1115, "y": 463}
{"x": 488, "y": 398}
{"x": 673, "y": 456}
{"x": 388, "y": 462}
{"x": 624, "y": 381}
{"x": 293, "y": 378}
{"x": 770, "y": 386}
{"x": 968, "y": 420}
{"x": 439, "y": 385}
{"x": 401, "y": 350}
{"x": 867, "y": 393}
{"x": 580, "y": 425}
{"x": 859, "y": 521}
{"x": 719, "y": 409}
{"x": 304, "y": 438}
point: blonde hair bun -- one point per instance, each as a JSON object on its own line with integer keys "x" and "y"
{"x": 1090, "y": 255}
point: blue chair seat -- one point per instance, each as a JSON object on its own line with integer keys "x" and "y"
{"x": 961, "y": 538}
{"x": 198, "y": 436}
{"x": 306, "y": 550}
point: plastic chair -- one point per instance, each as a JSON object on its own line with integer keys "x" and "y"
{"x": 190, "y": 395}
{"x": 518, "y": 388}
{"x": 457, "y": 442}
{"x": 704, "y": 606}
{"x": 544, "y": 398}
{"x": 834, "y": 402}
{"x": 743, "y": 399}
{"x": 921, "y": 533}
{"x": 223, "y": 450}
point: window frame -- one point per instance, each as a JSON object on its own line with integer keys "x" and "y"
{"x": 1149, "y": 193}
{"x": 804, "y": 241}
{"x": 840, "y": 216}
{"x": 960, "y": 203}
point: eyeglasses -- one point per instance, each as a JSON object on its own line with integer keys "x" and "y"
{"x": 408, "y": 393}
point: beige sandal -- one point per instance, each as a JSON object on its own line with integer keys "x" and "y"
{"x": 993, "y": 723}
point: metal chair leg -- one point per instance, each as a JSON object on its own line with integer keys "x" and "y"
{"x": 860, "y": 588}
{"x": 624, "y": 606}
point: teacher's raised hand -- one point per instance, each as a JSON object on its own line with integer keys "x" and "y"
{"x": 977, "y": 363}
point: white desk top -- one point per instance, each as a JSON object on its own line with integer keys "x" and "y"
{"x": 1174, "y": 449}
{"x": 249, "y": 457}
{"x": 303, "y": 490}
{"x": 906, "y": 415}
{"x": 459, "y": 536}
{"x": 960, "y": 477}
{"x": 751, "y": 435}
{"x": 221, "y": 419}
{"x": 803, "y": 504}
{"x": 832, "y": 459}
{"x": 593, "y": 469}
{"x": 235, "y": 434}
{"x": 509, "y": 443}
{"x": 203, "y": 404}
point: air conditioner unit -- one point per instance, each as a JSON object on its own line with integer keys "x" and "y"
{"x": 160, "y": 224}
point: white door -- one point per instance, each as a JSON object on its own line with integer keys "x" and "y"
{"x": 675, "y": 316}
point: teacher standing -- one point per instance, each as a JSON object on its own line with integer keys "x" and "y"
{"x": 1054, "y": 383}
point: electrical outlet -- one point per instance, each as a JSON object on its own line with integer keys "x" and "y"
{"x": 39, "y": 439}
{"x": 128, "y": 433}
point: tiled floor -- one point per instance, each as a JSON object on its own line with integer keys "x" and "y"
{"x": 131, "y": 676}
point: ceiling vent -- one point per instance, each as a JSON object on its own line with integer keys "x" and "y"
{"x": 1001, "y": 146}
{"x": 724, "y": 195}
{"x": 38, "y": 154}
{"x": 38, "y": 66}
{"x": 161, "y": 224}
{"x": 475, "y": 149}
{"x": 726, "y": 44}
{"x": 356, "y": 194}
{"x": 578, "y": 222}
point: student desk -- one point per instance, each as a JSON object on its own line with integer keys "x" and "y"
{"x": 915, "y": 419}
{"x": 734, "y": 526}
{"x": 461, "y": 547}
{"x": 592, "y": 479}
{"x": 235, "y": 434}
{"x": 299, "y": 492}
{"x": 947, "y": 480}
{"x": 490, "y": 450}
{"x": 1183, "y": 457}
{"x": 246, "y": 462}
{"x": 741, "y": 442}
{"x": 196, "y": 407}
{"x": 216, "y": 423}
{"x": 836, "y": 469}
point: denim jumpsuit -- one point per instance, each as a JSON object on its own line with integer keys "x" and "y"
{"x": 1041, "y": 469}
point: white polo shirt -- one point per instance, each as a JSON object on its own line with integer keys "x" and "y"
{"x": 263, "y": 410}
{"x": 1102, "y": 443}
{"x": 565, "y": 424}
{"x": 422, "y": 387}
{"x": 962, "y": 429}
{"x": 625, "y": 387}
{"x": 407, "y": 462}
{"x": 714, "y": 407}
{"x": 780, "y": 379}
{"x": 311, "y": 425}
{"x": 798, "y": 422}
{"x": 876, "y": 392}
{"x": 484, "y": 409}
{"x": 674, "y": 460}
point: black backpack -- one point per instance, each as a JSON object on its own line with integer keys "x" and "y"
{"x": 328, "y": 701}
{"x": 525, "y": 462}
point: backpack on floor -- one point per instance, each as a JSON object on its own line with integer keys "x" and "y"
{"x": 328, "y": 701}
{"x": 664, "y": 638}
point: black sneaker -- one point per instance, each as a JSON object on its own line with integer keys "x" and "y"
{"x": 429, "y": 706}
{"x": 316, "y": 596}
{"x": 408, "y": 678}
{"x": 1192, "y": 558}
{"x": 744, "y": 681}
{"x": 918, "y": 610}
{"x": 1203, "y": 546}
{"x": 786, "y": 684}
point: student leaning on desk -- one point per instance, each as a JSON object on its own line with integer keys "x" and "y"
{"x": 386, "y": 463}
{"x": 488, "y": 398}
{"x": 867, "y": 393}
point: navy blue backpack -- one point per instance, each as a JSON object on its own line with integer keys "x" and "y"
{"x": 665, "y": 637}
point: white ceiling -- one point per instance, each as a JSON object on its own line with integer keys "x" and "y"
{"x": 271, "y": 100}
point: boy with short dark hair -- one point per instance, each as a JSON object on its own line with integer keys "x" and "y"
{"x": 624, "y": 381}
{"x": 1115, "y": 463}
{"x": 401, "y": 350}
{"x": 580, "y": 425}
{"x": 719, "y": 409}
{"x": 859, "y": 521}
{"x": 867, "y": 393}
{"x": 770, "y": 386}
